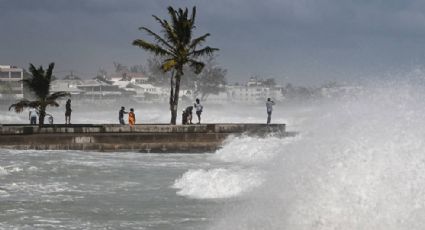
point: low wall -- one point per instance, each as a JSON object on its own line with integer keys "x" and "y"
{"x": 158, "y": 138}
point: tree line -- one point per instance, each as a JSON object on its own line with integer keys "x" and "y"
{"x": 211, "y": 80}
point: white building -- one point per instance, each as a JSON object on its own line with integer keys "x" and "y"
{"x": 100, "y": 90}
{"x": 125, "y": 80}
{"x": 122, "y": 84}
{"x": 135, "y": 78}
{"x": 11, "y": 86}
{"x": 253, "y": 92}
{"x": 70, "y": 86}
{"x": 149, "y": 92}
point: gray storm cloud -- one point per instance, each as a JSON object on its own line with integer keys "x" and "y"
{"x": 302, "y": 41}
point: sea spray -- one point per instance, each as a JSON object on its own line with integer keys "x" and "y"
{"x": 250, "y": 149}
{"x": 360, "y": 164}
{"x": 244, "y": 173}
{"x": 217, "y": 183}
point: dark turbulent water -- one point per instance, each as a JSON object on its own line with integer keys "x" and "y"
{"x": 358, "y": 163}
{"x": 74, "y": 190}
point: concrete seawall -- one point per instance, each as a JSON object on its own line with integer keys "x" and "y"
{"x": 158, "y": 138}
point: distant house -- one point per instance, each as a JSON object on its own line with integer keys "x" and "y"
{"x": 149, "y": 92}
{"x": 70, "y": 86}
{"x": 121, "y": 83}
{"x": 137, "y": 78}
{"x": 11, "y": 86}
{"x": 96, "y": 89}
{"x": 253, "y": 91}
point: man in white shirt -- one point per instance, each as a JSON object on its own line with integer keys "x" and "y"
{"x": 269, "y": 106}
{"x": 32, "y": 116}
{"x": 198, "y": 108}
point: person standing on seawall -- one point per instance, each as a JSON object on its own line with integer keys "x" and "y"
{"x": 32, "y": 116}
{"x": 68, "y": 111}
{"x": 121, "y": 115}
{"x": 131, "y": 118}
{"x": 269, "y": 106}
{"x": 198, "y": 108}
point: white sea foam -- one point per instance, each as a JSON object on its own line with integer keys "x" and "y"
{"x": 15, "y": 169}
{"x": 3, "y": 171}
{"x": 32, "y": 169}
{"x": 247, "y": 155}
{"x": 38, "y": 189}
{"x": 217, "y": 183}
{"x": 250, "y": 150}
{"x": 3, "y": 193}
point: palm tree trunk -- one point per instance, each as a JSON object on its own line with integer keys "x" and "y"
{"x": 171, "y": 90}
{"x": 175, "y": 100}
{"x": 42, "y": 115}
{"x": 171, "y": 96}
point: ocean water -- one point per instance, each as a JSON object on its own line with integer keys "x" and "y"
{"x": 357, "y": 163}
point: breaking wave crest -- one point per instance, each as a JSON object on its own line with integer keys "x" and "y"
{"x": 247, "y": 156}
{"x": 217, "y": 183}
{"x": 360, "y": 164}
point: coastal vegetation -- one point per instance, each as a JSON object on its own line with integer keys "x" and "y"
{"x": 177, "y": 48}
{"x": 212, "y": 80}
{"x": 38, "y": 82}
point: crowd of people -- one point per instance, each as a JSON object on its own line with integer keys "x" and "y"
{"x": 187, "y": 113}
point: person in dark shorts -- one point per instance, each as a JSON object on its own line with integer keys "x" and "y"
{"x": 33, "y": 116}
{"x": 269, "y": 107}
{"x": 187, "y": 115}
{"x": 121, "y": 115}
{"x": 68, "y": 111}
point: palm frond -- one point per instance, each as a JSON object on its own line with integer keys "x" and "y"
{"x": 49, "y": 72}
{"x": 34, "y": 71}
{"x": 23, "y": 104}
{"x": 170, "y": 34}
{"x": 57, "y": 95}
{"x": 158, "y": 38}
{"x": 174, "y": 18}
{"x": 181, "y": 25}
{"x": 168, "y": 64}
{"x": 198, "y": 41}
{"x": 191, "y": 25}
{"x": 205, "y": 51}
{"x": 156, "y": 49}
{"x": 53, "y": 103}
{"x": 197, "y": 66}
{"x": 192, "y": 20}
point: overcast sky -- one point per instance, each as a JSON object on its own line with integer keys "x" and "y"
{"x": 299, "y": 41}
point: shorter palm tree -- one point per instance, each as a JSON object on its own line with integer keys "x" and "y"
{"x": 39, "y": 83}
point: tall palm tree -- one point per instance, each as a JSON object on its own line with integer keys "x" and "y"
{"x": 177, "y": 48}
{"x": 39, "y": 83}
